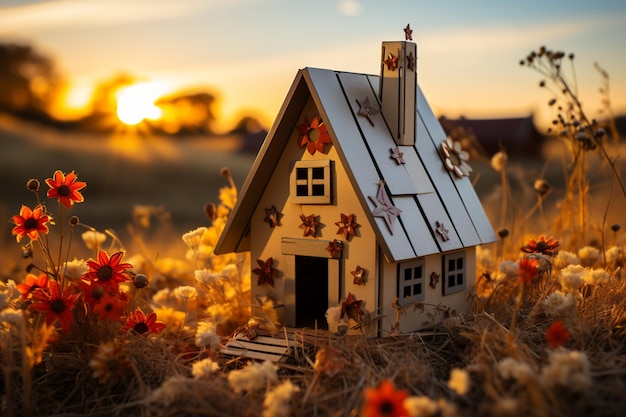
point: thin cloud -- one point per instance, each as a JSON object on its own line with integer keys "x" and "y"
{"x": 89, "y": 13}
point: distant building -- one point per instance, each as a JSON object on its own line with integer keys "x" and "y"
{"x": 515, "y": 135}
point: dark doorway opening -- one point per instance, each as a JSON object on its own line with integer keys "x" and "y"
{"x": 311, "y": 291}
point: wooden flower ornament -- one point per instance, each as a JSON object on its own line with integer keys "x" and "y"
{"x": 265, "y": 271}
{"x": 272, "y": 216}
{"x": 347, "y": 226}
{"x": 359, "y": 276}
{"x": 313, "y": 135}
{"x": 455, "y": 158}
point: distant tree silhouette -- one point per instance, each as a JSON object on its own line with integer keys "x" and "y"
{"x": 187, "y": 113}
{"x": 28, "y": 81}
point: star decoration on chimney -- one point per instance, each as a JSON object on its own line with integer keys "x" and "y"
{"x": 391, "y": 62}
{"x": 397, "y": 155}
{"x": 410, "y": 61}
{"x": 313, "y": 135}
{"x": 265, "y": 271}
{"x": 408, "y": 32}
{"x": 272, "y": 216}
{"x": 335, "y": 247}
{"x": 384, "y": 208}
{"x": 359, "y": 276}
{"x": 309, "y": 225}
{"x": 455, "y": 158}
{"x": 442, "y": 231}
{"x": 347, "y": 226}
{"x": 366, "y": 110}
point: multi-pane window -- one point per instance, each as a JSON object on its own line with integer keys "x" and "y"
{"x": 311, "y": 182}
{"x": 411, "y": 280}
{"x": 454, "y": 273}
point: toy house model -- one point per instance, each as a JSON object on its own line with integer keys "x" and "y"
{"x": 358, "y": 191}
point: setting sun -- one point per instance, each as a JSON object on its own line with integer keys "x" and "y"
{"x": 135, "y": 103}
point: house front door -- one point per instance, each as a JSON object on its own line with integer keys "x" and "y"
{"x": 311, "y": 291}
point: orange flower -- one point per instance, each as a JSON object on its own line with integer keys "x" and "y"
{"x": 110, "y": 306}
{"x": 546, "y": 247}
{"x": 31, "y": 283}
{"x": 385, "y": 401}
{"x": 557, "y": 334}
{"x": 528, "y": 270}
{"x": 66, "y": 188}
{"x": 30, "y": 223}
{"x": 142, "y": 324}
{"x": 108, "y": 272}
{"x": 56, "y": 305}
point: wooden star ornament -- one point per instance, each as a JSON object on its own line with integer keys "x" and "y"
{"x": 347, "y": 226}
{"x": 397, "y": 155}
{"x": 359, "y": 276}
{"x": 366, "y": 110}
{"x": 335, "y": 247}
{"x": 408, "y": 32}
{"x": 309, "y": 224}
{"x": 442, "y": 231}
{"x": 383, "y": 207}
{"x": 272, "y": 216}
{"x": 410, "y": 61}
{"x": 391, "y": 62}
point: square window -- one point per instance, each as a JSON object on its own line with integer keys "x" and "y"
{"x": 411, "y": 280}
{"x": 453, "y": 273}
{"x": 310, "y": 182}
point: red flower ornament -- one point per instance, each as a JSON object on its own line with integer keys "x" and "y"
{"x": 265, "y": 272}
{"x": 30, "y": 223}
{"x": 108, "y": 272}
{"x": 65, "y": 188}
{"x": 313, "y": 135}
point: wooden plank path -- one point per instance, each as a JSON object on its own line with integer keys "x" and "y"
{"x": 264, "y": 348}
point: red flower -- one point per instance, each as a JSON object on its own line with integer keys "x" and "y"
{"x": 265, "y": 271}
{"x": 528, "y": 270}
{"x": 557, "y": 334}
{"x": 56, "y": 305}
{"x": 92, "y": 292}
{"x": 30, "y": 223}
{"x": 314, "y": 135}
{"x": 66, "y": 188}
{"x": 108, "y": 272}
{"x": 110, "y": 306}
{"x": 542, "y": 245}
{"x": 385, "y": 401}
{"x": 142, "y": 324}
{"x": 31, "y": 283}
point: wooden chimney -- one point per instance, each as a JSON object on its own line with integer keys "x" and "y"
{"x": 398, "y": 89}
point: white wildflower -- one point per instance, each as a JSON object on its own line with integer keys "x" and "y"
{"x": 595, "y": 276}
{"x": 558, "y": 303}
{"x": 203, "y": 252}
{"x": 421, "y": 406}
{"x": 567, "y": 369}
{"x": 11, "y": 315}
{"x": 509, "y": 269}
{"x": 520, "y": 371}
{"x": 589, "y": 255}
{"x": 571, "y": 277}
{"x": 204, "y": 368}
{"x": 75, "y": 269}
{"x": 206, "y": 276}
{"x": 484, "y": 257}
{"x": 276, "y": 402}
{"x": 498, "y": 161}
{"x": 206, "y": 336}
{"x": 253, "y": 377}
{"x": 459, "y": 381}
{"x": 93, "y": 239}
{"x": 334, "y": 320}
{"x": 173, "y": 389}
{"x": 229, "y": 271}
{"x": 613, "y": 254}
{"x": 163, "y": 297}
{"x": 193, "y": 238}
{"x": 565, "y": 258}
{"x": 185, "y": 292}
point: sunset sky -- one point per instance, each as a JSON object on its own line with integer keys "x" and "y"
{"x": 248, "y": 51}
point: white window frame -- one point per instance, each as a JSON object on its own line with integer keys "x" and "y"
{"x": 407, "y": 279}
{"x": 454, "y": 269}
{"x": 310, "y": 182}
